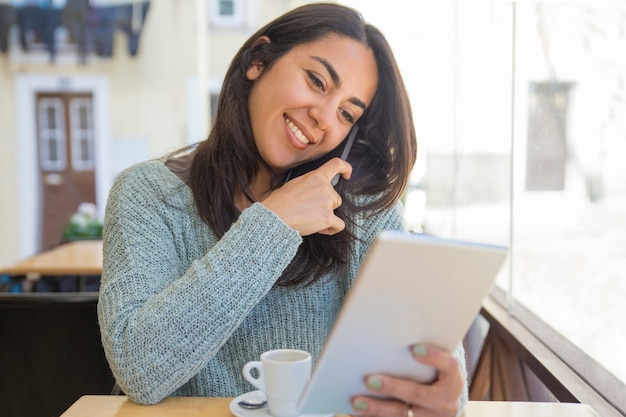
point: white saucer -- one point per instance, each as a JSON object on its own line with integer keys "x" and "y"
{"x": 259, "y": 412}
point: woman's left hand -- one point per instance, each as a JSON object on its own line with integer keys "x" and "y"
{"x": 406, "y": 398}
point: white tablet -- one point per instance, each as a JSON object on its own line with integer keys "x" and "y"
{"x": 410, "y": 288}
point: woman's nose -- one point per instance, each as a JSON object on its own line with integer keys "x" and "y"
{"x": 322, "y": 115}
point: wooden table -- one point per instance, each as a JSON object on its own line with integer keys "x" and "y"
{"x": 120, "y": 406}
{"x": 80, "y": 258}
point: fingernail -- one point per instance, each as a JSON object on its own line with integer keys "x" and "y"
{"x": 359, "y": 405}
{"x": 419, "y": 350}
{"x": 373, "y": 382}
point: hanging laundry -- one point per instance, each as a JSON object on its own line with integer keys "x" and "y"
{"x": 101, "y": 29}
{"x": 7, "y": 19}
{"x": 42, "y": 23}
{"x": 91, "y": 24}
{"x": 74, "y": 17}
{"x": 131, "y": 22}
{"x": 105, "y": 20}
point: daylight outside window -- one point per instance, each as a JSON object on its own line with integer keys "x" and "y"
{"x": 520, "y": 110}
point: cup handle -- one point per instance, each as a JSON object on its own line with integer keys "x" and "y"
{"x": 259, "y": 381}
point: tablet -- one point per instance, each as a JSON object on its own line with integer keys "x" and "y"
{"x": 410, "y": 288}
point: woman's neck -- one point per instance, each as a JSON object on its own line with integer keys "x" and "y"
{"x": 260, "y": 188}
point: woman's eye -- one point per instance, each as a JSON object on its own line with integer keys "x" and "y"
{"x": 346, "y": 115}
{"x": 317, "y": 82}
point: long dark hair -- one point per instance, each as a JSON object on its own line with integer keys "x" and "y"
{"x": 382, "y": 156}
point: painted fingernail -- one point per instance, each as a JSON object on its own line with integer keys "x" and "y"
{"x": 419, "y": 350}
{"x": 373, "y": 382}
{"x": 359, "y": 405}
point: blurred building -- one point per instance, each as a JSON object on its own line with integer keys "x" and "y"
{"x": 88, "y": 87}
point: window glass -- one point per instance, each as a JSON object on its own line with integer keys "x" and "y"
{"x": 520, "y": 111}
{"x": 226, "y": 7}
{"x": 570, "y": 189}
{"x": 82, "y": 134}
{"x": 226, "y": 13}
{"x": 52, "y": 134}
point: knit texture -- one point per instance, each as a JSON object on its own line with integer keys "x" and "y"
{"x": 181, "y": 311}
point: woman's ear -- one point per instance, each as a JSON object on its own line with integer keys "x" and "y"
{"x": 256, "y": 69}
{"x": 260, "y": 41}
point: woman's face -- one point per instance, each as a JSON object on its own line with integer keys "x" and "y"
{"x": 306, "y": 103}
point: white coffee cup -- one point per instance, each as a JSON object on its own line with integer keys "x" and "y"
{"x": 282, "y": 376}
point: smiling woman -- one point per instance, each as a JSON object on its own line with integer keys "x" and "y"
{"x": 212, "y": 258}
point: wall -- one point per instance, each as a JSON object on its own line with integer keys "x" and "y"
{"x": 144, "y": 103}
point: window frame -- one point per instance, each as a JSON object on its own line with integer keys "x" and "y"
{"x": 568, "y": 372}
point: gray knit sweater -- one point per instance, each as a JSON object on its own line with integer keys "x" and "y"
{"x": 181, "y": 311}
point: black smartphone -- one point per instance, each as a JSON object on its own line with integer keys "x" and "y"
{"x": 341, "y": 151}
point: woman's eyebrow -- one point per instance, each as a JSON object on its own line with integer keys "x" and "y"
{"x": 336, "y": 79}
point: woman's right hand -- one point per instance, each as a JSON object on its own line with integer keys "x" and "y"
{"x": 307, "y": 203}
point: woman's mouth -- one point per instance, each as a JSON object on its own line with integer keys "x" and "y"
{"x": 297, "y": 132}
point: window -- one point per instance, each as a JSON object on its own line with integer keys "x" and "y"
{"x": 226, "y": 8}
{"x": 52, "y": 133}
{"x": 226, "y": 13}
{"x": 520, "y": 110}
{"x": 81, "y": 119}
{"x": 568, "y": 241}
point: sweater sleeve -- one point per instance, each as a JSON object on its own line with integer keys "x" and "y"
{"x": 161, "y": 319}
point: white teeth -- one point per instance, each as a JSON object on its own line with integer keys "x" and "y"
{"x": 297, "y": 132}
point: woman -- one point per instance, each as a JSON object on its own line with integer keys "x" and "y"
{"x": 212, "y": 258}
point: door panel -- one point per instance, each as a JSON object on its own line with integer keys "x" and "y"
{"x": 66, "y": 159}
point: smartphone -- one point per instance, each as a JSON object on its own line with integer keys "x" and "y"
{"x": 340, "y": 151}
